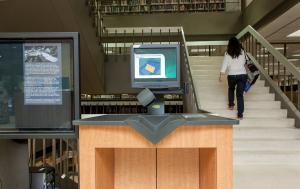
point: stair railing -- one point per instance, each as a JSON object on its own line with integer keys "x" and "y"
{"x": 281, "y": 75}
{"x": 62, "y": 154}
{"x": 191, "y": 102}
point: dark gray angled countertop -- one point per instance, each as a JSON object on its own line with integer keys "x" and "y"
{"x": 156, "y": 127}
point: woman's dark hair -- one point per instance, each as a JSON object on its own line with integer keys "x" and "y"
{"x": 234, "y": 48}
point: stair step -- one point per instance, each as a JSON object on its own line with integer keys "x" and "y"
{"x": 205, "y": 67}
{"x": 224, "y": 90}
{"x": 243, "y": 133}
{"x": 266, "y": 158}
{"x": 266, "y": 176}
{"x": 207, "y": 63}
{"x": 205, "y": 72}
{"x": 224, "y": 82}
{"x": 267, "y": 122}
{"x": 205, "y": 77}
{"x": 253, "y": 113}
{"x": 195, "y": 61}
{"x": 267, "y": 145}
{"x": 248, "y": 105}
{"x": 224, "y": 98}
{"x": 203, "y": 83}
{"x": 205, "y": 58}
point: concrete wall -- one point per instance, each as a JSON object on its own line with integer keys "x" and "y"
{"x": 117, "y": 75}
{"x": 59, "y": 16}
{"x": 262, "y": 12}
{"x": 194, "y": 24}
{"x": 14, "y": 165}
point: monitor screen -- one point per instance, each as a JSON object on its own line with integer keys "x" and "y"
{"x": 155, "y": 66}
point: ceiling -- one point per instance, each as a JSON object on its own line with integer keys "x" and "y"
{"x": 280, "y": 28}
{"x": 284, "y": 25}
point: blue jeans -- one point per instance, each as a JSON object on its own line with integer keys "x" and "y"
{"x": 238, "y": 82}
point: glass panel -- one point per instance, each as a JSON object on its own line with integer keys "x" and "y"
{"x": 36, "y": 84}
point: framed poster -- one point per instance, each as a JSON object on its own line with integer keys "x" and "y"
{"x": 42, "y": 74}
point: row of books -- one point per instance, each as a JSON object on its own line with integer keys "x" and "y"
{"x": 145, "y": 6}
{"x": 126, "y": 109}
{"x": 125, "y": 104}
{"x": 124, "y": 97}
{"x": 149, "y": 2}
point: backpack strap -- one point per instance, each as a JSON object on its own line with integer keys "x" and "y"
{"x": 246, "y": 56}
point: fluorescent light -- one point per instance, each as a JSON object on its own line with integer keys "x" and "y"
{"x": 277, "y": 48}
{"x": 262, "y": 55}
{"x": 293, "y": 60}
{"x": 295, "y": 34}
{"x": 202, "y": 50}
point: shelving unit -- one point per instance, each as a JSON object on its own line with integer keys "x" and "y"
{"x": 111, "y": 7}
{"x": 125, "y": 104}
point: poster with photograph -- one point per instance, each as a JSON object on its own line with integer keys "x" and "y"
{"x": 42, "y": 74}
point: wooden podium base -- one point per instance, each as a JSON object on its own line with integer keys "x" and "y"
{"x": 191, "y": 157}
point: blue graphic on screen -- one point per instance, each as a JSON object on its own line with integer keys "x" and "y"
{"x": 150, "y": 66}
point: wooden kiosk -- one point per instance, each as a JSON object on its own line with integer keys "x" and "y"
{"x": 194, "y": 155}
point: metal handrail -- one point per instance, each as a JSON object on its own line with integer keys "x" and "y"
{"x": 284, "y": 67}
{"x": 280, "y": 57}
{"x": 189, "y": 69}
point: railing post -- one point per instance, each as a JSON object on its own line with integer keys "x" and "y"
{"x": 273, "y": 67}
{"x": 298, "y": 95}
{"x": 169, "y": 35}
{"x": 160, "y": 36}
{"x": 29, "y": 153}
{"x": 284, "y": 80}
{"x": 142, "y": 36}
{"x": 278, "y": 73}
{"x": 133, "y": 36}
{"x": 116, "y": 38}
{"x": 106, "y": 42}
{"x": 44, "y": 152}
{"x": 67, "y": 158}
{"x": 151, "y": 35}
{"x": 33, "y": 151}
{"x": 291, "y": 88}
{"x": 54, "y": 152}
{"x": 268, "y": 60}
{"x": 60, "y": 156}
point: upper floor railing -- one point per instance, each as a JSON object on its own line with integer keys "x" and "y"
{"x": 118, "y": 41}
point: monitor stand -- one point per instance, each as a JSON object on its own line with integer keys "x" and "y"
{"x": 157, "y": 107}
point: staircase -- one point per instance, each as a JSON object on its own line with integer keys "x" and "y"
{"x": 266, "y": 143}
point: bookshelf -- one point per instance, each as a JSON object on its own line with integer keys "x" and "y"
{"x": 125, "y": 104}
{"x": 113, "y": 7}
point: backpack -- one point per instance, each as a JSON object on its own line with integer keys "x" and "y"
{"x": 252, "y": 72}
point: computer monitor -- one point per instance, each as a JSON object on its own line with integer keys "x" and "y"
{"x": 155, "y": 66}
